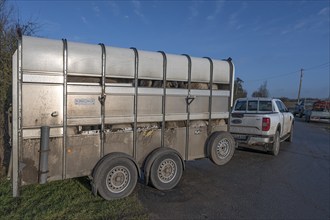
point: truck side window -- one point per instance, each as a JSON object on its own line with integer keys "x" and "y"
{"x": 279, "y": 106}
{"x": 284, "y": 107}
{"x": 240, "y": 106}
{"x": 252, "y": 105}
{"x": 265, "y": 106}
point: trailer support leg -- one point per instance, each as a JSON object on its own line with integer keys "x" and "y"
{"x": 44, "y": 149}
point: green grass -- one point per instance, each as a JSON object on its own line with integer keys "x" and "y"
{"x": 68, "y": 199}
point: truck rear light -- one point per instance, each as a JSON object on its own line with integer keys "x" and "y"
{"x": 265, "y": 124}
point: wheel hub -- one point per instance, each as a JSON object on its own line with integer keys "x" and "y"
{"x": 118, "y": 179}
{"x": 223, "y": 148}
{"x": 167, "y": 170}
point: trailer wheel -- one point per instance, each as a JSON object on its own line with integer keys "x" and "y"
{"x": 276, "y": 144}
{"x": 166, "y": 171}
{"x": 115, "y": 178}
{"x": 221, "y": 147}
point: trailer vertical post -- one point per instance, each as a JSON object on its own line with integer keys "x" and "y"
{"x": 17, "y": 117}
{"x": 136, "y": 81}
{"x": 232, "y": 75}
{"x": 188, "y": 101}
{"x": 209, "y": 127}
{"x": 65, "y": 73}
{"x": 231, "y": 82}
{"x": 164, "y": 97}
{"x": 102, "y": 100}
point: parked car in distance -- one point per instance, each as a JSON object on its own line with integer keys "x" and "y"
{"x": 261, "y": 122}
{"x": 303, "y": 106}
{"x": 320, "y": 112}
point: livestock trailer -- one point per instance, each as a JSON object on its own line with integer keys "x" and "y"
{"x": 115, "y": 114}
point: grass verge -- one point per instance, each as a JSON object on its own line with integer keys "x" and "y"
{"x": 67, "y": 199}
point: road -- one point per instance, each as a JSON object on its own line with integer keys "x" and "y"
{"x": 253, "y": 185}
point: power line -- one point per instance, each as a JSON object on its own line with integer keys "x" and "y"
{"x": 272, "y": 77}
{"x": 323, "y": 65}
{"x": 319, "y": 66}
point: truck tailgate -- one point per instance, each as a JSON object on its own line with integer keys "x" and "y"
{"x": 320, "y": 116}
{"x": 246, "y": 123}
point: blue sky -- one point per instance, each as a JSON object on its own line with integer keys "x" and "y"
{"x": 268, "y": 40}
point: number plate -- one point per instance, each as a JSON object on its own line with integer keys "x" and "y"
{"x": 240, "y": 137}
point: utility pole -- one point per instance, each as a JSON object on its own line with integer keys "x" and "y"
{"x": 301, "y": 76}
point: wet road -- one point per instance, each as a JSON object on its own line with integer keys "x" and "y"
{"x": 253, "y": 185}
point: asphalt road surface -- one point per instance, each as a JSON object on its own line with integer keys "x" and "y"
{"x": 254, "y": 184}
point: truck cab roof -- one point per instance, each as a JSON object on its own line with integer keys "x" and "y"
{"x": 257, "y": 98}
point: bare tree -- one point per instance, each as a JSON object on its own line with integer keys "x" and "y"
{"x": 239, "y": 91}
{"x": 10, "y": 29}
{"x": 262, "y": 91}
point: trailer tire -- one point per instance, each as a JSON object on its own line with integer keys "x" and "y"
{"x": 276, "y": 144}
{"x": 221, "y": 147}
{"x": 115, "y": 177}
{"x": 166, "y": 171}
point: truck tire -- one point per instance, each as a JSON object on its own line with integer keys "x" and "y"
{"x": 276, "y": 144}
{"x": 115, "y": 178}
{"x": 221, "y": 147}
{"x": 166, "y": 171}
{"x": 307, "y": 118}
{"x": 290, "y": 138}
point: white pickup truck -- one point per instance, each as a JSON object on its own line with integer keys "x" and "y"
{"x": 320, "y": 112}
{"x": 261, "y": 122}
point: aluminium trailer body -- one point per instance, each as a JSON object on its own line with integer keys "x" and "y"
{"x": 69, "y": 99}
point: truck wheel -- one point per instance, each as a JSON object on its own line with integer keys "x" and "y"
{"x": 166, "y": 171}
{"x": 115, "y": 178}
{"x": 290, "y": 138}
{"x": 307, "y": 118}
{"x": 276, "y": 144}
{"x": 221, "y": 147}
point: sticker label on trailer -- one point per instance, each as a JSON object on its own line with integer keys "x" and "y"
{"x": 90, "y": 101}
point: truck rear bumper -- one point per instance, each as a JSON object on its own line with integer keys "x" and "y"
{"x": 318, "y": 119}
{"x": 253, "y": 140}
{"x": 260, "y": 140}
